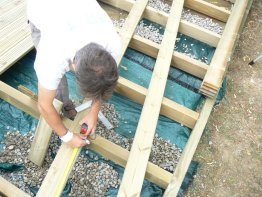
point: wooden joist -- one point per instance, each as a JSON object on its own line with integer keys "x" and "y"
{"x": 215, "y": 74}
{"x": 189, "y": 150}
{"x": 160, "y": 17}
{"x": 128, "y": 29}
{"x": 169, "y": 108}
{"x": 18, "y": 99}
{"x": 179, "y": 60}
{"x": 10, "y": 190}
{"x": 133, "y": 177}
{"x": 209, "y": 9}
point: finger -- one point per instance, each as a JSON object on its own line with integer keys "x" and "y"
{"x": 93, "y": 131}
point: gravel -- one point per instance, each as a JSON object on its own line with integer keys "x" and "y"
{"x": 91, "y": 174}
{"x": 187, "y": 15}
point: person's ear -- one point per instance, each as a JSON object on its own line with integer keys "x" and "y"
{"x": 74, "y": 66}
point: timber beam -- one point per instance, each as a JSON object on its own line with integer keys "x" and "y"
{"x": 189, "y": 150}
{"x": 134, "y": 174}
{"x": 209, "y": 9}
{"x": 219, "y": 64}
{"x": 10, "y": 190}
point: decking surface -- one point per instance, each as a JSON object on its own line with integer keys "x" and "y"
{"x": 15, "y": 38}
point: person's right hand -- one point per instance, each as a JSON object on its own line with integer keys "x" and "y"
{"x": 77, "y": 141}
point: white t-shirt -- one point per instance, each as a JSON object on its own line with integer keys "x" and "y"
{"x": 66, "y": 26}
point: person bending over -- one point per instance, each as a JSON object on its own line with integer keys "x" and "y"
{"x": 75, "y": 34}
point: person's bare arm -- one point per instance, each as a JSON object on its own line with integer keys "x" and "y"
{"x": 48, "y": 111}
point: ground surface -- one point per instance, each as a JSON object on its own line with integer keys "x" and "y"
{"x": 230, "y": 151}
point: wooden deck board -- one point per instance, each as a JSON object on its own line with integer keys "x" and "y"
{"x": 15, "y": 38}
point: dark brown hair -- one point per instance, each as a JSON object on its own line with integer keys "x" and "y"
{"x": 96, "y": 72}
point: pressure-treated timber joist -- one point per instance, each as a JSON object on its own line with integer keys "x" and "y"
{"x": 10, "y": 190}
{"x": 219, "y": 13}
{"x": 160, "y": 17}
{"x": 133, "y": 177}
{"x": 60, "y": 169}
{"x": 189, "y": 150}
{"x": 215, "y": 74}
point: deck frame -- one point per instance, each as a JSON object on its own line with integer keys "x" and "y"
{"x": 164, "y": 179}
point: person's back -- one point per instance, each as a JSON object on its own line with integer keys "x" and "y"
{"x": 77, "y": 33}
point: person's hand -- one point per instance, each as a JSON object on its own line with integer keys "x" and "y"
{"x": 77, "y": 141}
{"x": 91, "y": 120}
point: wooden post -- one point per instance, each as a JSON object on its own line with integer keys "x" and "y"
{"x": 215, "y": 74}
{"x": 42, "y": 138}
{"x": 43, "y": 132}
{"x": 10, "y": 190}
{"x": 189, "y": 150}
{"x": 136, "y": 166}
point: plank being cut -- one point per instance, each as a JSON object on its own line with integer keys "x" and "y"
{"x": 129, "y": 27}
{"x": 189, "y": 150}
{"x": 219, "y": 63}
{"x": 60, "y": 169}
{"x": 10, "y": 190}
{"x": 160, "y": 17}
{"x": 133, "y": 177}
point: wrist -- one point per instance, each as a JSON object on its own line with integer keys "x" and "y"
{"x": 67, "y": 137}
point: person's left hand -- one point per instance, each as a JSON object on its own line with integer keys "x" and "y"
{"x": 91, "y": 120}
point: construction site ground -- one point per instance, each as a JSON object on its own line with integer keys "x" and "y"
{"x": 230, "y": 150}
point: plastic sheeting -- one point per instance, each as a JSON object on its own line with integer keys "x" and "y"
{"x": 137, "y": 67}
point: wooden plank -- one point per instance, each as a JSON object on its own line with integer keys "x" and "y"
{"x": 42, "y": 138}
{"x": 17, "y": 12}
{"x": 137, "y": 161}
{"x": 16, "y": 53}
{"x": 11, "y": 40}
{"x": 179, "y": 60}
{"x": 215, "y": 74}
{"x": 160, "y": 17}
{"x": 209, "y": 9}
{"x": 60, "y": 169}
{"x": 129, "y": 27}
{"x": 18, "y": 99}
{"x": 7, "y": 5}
{"x": 189, "y": 150}
{"x": 10, "y": 190}
{"x": 12, "y": 26}
{"x": 120, "y": 155}
{"x": 169, "y": 108}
